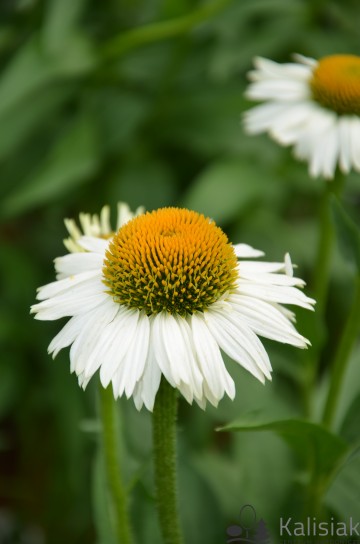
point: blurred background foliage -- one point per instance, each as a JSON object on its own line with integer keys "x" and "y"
{"x": 92, "y": 114}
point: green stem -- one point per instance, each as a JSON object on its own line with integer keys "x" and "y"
{"x": 326, "y": 242}
{"x": 320, "y": 286}
{"x": 164, "y": 438}
{"x": 111, "y": 455}
{"x": 342, "y": 355}
{"x": 160, "y": 31}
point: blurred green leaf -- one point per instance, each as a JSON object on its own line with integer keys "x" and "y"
{"x": 32, "y": 68}
{"x": 144, "y": 182}
{"x": 19, "y": 123}
{"x": 26, "y": 71}
{"x": 350, "y": 428}
{"x": 304, "y": 437}
{"x": 227, "y": 187}
{"x": 60, "y": 21}
{"x": 120, "y": 114}
{"x": 348, "y": 233}
{"x": 71, "y": 162}
{"x": 343, "y": 495}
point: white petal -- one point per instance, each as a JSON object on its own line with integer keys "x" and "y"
{"x": 238, "y": 328}
{"x": 84, "y": 298}
{"x": 216, "y": 378}
{"x": 78, "y": 263}
{"x": 133, "y": 364}
{"x": 245, "y": 251}
{"x": 345, "y": 161}
{"x": 120, "y": 333}
{"x": 147, "y": 387}
{"x": 229, "y": 339}
{"x": 96, "y": 245}
{"x": 67, "y": 335}
{"x": 276, "y": 293}
{"x": 74, "y": 282}
{"x": 172, "y": 351}
{"x": 267, "y": 320}
{"x": 355, "y": 142}
{"x": 85, "y": 348}
{"x": 105, "y": 226}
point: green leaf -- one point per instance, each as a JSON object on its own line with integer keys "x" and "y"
{"x": 350, "y": 428}
{"x": 32, "y": 68}
{"x": 348, "y": 233}
{"x": 227, "y": 187}
{"x": 70, "y": 163}
{"x": 19, "y": 123}
{"x": 60, "y": 21}
{"x": 343, "y": 495}
{"x": 304, "y": 437}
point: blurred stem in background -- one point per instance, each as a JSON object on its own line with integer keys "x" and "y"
{"x": 321, "y": 280}
{"x": 326, "y": 242}
{"x": 164, "y": 438}
{"x": 112, "y": 463}
{"x": 160, "y": 31}
{"x": 342, "y": 356}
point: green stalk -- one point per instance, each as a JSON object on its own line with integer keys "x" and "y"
{"x": 326, "y": 243}
{"x": 342, "y": 356}
{"x": 321, "y": 283}
{"x": 160, "y": 31}
{"x": 164, "y": 440}
{"x": 113, "y": 471}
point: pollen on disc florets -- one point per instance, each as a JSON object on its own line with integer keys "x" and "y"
{"x": 171, "y": 259}
{"x": 335, "y": 83}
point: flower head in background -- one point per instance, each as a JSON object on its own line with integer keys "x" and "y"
{"x": 311, "y": 105}
{"x": 162, "y": 296}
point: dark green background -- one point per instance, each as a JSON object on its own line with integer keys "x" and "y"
{"x": 86, "y": 121}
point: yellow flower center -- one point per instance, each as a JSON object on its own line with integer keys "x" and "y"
{"x": 171, "y": 259}
{"x": 335, "y": 83}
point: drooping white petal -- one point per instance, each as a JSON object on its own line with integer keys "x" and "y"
{"x": 267, "y": 320}
{"x": 84, "y": 350}
{"x": 216, "y": 378}
{"x": 132, "y": 366}
{"x": 274, "y": 293}
{"x": 355, "y": 141}
{"x": 67, "y": 335}
{"x": 227, "y": 337}
{"x": 120, "y": 333}
{"x": 171, "y": 350}
{"x": 237, "y": 327}
{"x": 345, "y": 161}
{"x": 148, "y": 385}
{"x": 246, "y": 251}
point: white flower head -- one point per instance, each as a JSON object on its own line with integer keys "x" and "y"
{"x": 311, "y": 105}
{"x": 162, "y": 297}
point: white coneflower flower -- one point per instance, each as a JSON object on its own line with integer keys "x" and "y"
{"x": 312, "y": 105}
{"x": 163, "y": 296}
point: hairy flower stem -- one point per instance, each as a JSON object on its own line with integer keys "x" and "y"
{"x": 342, "y": 356}
{"x": 164, "y": 439}
{"x": 111, "y": 456}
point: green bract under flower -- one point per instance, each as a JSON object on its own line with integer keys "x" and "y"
{"x": 171, "y": 259}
